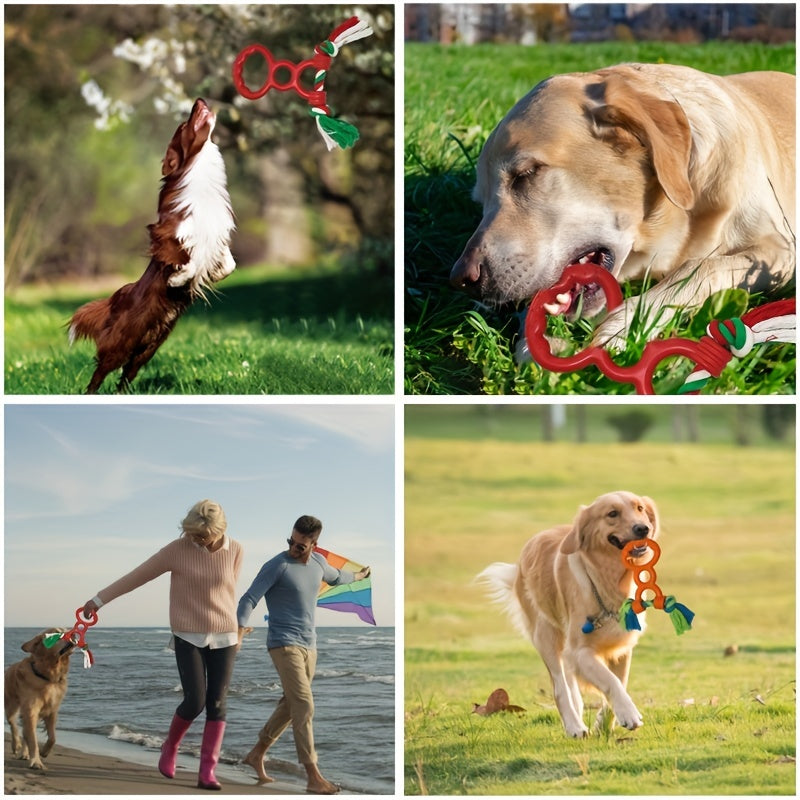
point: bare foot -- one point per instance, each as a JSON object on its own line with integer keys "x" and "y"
{"x": 255, "y": 759}
{"x": 322, "y": 786}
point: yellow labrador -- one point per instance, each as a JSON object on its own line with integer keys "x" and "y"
{"x": 564, "y": 594}
{"x": 34, "y": 689}
{"x": 638, "y": 168}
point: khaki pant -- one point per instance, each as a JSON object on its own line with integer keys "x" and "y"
{"x": 296, "y": 667}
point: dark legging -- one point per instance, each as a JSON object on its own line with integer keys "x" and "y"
{"x": 205, "y": 676}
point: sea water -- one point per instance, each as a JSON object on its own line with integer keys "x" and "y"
{"x": 133, "y": 689}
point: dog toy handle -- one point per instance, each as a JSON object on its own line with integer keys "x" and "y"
{"x": 77, "y": 635}
{"x": 644, "y": 576}
{"x": 770, "y": 322}
{"x": 335, "y": 132}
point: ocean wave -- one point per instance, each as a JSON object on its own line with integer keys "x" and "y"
{"x": 387, "y": 679}
{"x": 332, "y": 673}
{"x": 120, "y": 733}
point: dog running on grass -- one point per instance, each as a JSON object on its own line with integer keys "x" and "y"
{"x": 563, "y": 595}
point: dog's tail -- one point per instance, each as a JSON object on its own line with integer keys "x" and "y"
{"x": 89, "y": 320}
{"x": 499, "y": 581}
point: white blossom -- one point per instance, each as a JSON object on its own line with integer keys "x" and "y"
{"x": 110, "y": 112}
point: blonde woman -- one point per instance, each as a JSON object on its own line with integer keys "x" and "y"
{"x": 204, "y": 565}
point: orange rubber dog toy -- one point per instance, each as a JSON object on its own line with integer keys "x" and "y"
{"x": 644, "y": 576}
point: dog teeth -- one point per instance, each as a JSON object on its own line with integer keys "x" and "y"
{"x": 553, "y": 309}
{"x": 565, "y": 299}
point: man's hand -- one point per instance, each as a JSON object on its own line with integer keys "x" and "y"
{"x": 363, "y": 573}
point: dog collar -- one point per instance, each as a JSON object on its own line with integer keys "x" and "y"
{"x": 39, "y": 674}
{"x": 596, "y": 622}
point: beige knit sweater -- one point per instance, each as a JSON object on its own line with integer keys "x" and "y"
{"x": 202, "y": 590}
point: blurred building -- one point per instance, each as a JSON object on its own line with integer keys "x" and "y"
{"x": 530, "y": 23}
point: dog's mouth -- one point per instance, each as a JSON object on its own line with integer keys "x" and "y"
{"x": 582, "y": 299}
{"x": 201, "y": 115}
{"x": 635, "y": 552}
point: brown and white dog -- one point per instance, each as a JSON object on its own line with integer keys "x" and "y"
{"x": 563, "y": 595}
{"x": 189, "y": 251}
{"x": 641, "y": 169}
{"x": 34, "y": 689}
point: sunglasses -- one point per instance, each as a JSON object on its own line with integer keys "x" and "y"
{"x": 301, "y": 545}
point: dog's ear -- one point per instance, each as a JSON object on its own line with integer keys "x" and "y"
{"x": 652, "y": 515}
{"x": 171, "y": 161}
{"x": 28, "y": 646}
{"x": 661, "y": 126}
{"x": 574, "y": 538}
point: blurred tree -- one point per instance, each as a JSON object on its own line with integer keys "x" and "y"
{"x": 743, "y": 425}
{"x": 139, "y": 68}
{"x": 685, "y": 423}
{"x": 779, "y": 421}
{"x": 631, "y": 425}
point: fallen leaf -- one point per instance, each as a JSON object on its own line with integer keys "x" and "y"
{"x": 498, "y": 701}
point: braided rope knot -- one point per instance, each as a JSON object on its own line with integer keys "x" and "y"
{"x": 328, "y": 47}
{"x": 772, "y": 322}
{"x": 733, "y": 334}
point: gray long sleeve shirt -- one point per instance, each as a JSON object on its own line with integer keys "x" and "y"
{"x": 290, "y": 589}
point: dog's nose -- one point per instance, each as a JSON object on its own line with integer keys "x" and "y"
{"x": 640, "y": 530}
{"x": 466, "y": 272}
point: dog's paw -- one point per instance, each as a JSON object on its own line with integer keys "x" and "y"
{"x": 576, "y": 731}
{"x": 37, "y": 763}
{"x": 611, "y": 334}
{"x": 628, "y": 715}
{"x": 222, "y": 269}
{"x": 182, "y": 275}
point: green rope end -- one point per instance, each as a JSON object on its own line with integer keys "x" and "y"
{"x": 680, "y": 615}
{"x": 343, "y": 133}
{"x": 51, "y": 639}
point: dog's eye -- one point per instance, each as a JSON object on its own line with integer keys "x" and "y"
{"x": 613, "y": 513}
{"x": 519, "y": 179}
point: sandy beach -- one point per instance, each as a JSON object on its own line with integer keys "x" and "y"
{"x": 72, "y": 771}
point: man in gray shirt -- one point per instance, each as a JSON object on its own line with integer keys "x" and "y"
{"x": 290, "y": 583}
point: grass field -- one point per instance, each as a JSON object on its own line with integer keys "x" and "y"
{"x": 714, "y": 725}
{"x": 267, "y": 332}
{"x": 454, "y": 98}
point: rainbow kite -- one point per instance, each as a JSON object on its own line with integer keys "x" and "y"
{"x": 354, "y": 597}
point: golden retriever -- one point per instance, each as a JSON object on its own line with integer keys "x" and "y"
{"x": 564, "y": 594}
{"x": 638, "y": 168}
{"x": 34, "y": 689}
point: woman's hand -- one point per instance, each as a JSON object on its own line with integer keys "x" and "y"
{"x": 242, "y": 633}
{"x": 90, "y": 609}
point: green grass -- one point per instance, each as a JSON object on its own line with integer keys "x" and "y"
{"x": 714, "y": 725}
{"x": 455, "y": 96}
{"x": 267, "y": 332}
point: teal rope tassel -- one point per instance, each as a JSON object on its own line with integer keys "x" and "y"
{"x": 628, "y": 618}
{"x": 680, "y": 615}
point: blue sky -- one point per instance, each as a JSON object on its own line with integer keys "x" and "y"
{"x": 92, "y": 490}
